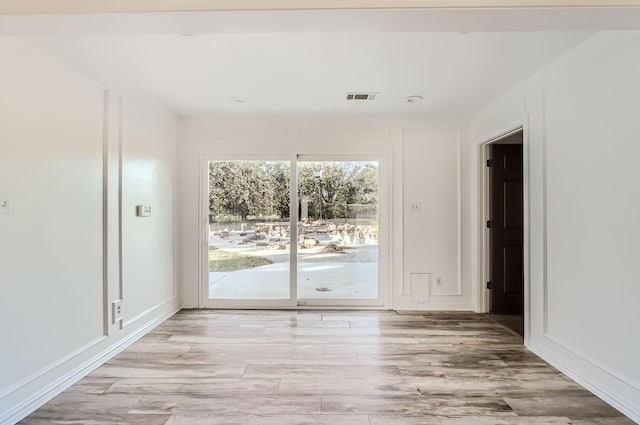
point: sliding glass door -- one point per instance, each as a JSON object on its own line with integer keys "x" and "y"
{"x": 249, "y": 231}
{"x": 270, "y": 246}
{"x": 338, "y": 232}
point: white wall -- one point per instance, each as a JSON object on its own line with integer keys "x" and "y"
{"x": 431, "y": 237}
{"x": 148, "y": 156}
{"x": 581, "y": 120}
{"x": 423, "y": 167}
{"x": 60, "y": 137}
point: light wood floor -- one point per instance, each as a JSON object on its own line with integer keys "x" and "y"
{"x": 327, "y": 368}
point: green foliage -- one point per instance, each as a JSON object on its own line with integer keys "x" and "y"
{"x": 261, "y": 188}
{"x": 342, "y": 183}
{"x": 244, "y": 188}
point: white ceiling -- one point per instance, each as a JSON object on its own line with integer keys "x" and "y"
{"x": 302, "y": 62}
{"x": 309, "y": 73}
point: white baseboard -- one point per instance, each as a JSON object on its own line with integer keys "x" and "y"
{"x": 433, "y": 307}
{"x": 49, "y": 391}
{"x": 599, "y": 381}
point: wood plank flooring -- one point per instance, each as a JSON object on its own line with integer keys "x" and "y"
{"x": 327, "y": 368}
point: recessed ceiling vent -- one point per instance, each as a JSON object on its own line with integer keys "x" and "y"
{"x": 362, "y": 96}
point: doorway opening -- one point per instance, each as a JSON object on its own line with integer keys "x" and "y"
{"x": 504, "y": 249}
{"x": 271, "y": 246}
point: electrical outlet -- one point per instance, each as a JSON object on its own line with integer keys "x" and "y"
{"x": 117, "y": 311}
{"x": 416, "y": 207}
{"x": 5, "y": 204}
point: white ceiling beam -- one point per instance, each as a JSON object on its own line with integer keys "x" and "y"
{"x": 322, "y": 21}
{"x": 110, "y": 6}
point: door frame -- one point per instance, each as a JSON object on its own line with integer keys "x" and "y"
{"x": 484, "y": 210}
{"x": 203, "y": 237}
{"x": 384, "y": 219}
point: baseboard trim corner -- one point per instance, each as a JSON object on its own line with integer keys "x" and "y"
{"x": 47, "y": 393}
{"x": 588, "y": 380}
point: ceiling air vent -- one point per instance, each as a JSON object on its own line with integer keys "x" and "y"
{"x": 362, "y": 96}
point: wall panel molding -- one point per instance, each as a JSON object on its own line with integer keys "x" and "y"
{"x": 438, "y": 298}
{"x": 591, "y": 63}
{"x": 89, "y": 120}
{"x": 160, "y": 306}
{"x": 55, "y": 387}
{"x": 605, "y": 380}
{"x": 105, "y": 214}
{"x": 120, "y": 144}
{"x": 50, "y": 367}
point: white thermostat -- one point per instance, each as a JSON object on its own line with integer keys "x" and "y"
{"x": 143, "y": 210}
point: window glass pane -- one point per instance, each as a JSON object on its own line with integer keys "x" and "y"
{"x": 338, "y": 229}
{"x": 249, "y": 230}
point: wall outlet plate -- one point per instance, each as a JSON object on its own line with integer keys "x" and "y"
{"x": 116, "y": 311}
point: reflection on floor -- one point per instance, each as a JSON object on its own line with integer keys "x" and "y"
{"x": 327, "y": 368}
{"x": 511, "y": 321}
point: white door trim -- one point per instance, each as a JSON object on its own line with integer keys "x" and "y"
{"x": 203, "y": 237}
{"x": 384, "y": 281}
{"x": 519, "y": 125}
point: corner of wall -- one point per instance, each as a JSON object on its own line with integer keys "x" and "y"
{"x": 604, "y": 61}
{"x": 96, "y": 132}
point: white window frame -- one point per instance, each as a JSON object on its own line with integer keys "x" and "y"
{"x": 384, "y": 255}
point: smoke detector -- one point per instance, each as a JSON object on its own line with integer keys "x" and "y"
{"x": 361, "y": 96}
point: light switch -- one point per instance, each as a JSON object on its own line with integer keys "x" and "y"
{"x": 6, "y": 206}
{"x": 143, "y": 210}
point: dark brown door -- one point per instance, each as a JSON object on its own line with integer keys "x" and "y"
{"x": 506, "y": 227}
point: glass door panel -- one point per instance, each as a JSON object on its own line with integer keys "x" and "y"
{"x": 249, "y": 230}
{"x": 338, "y": 230}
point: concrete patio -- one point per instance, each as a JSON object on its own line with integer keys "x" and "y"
{"x": 329, "y": 280}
